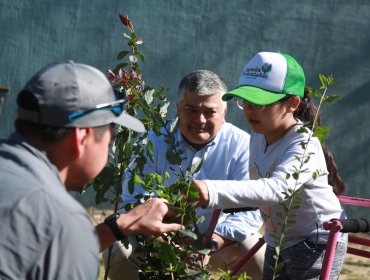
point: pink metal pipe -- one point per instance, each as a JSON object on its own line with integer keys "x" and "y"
{"x": 236, "y": 268}
{"x": 358, "y": 201}
{"x": 334, "y": 226}
{"x": 212, "y": 225}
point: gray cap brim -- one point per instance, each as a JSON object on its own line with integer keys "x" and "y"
{"x": 130, "y": 122}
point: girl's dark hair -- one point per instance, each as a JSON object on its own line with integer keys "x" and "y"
{"x": 306, "y": 113}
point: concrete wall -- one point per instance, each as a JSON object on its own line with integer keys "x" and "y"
{"x": 183, "y": 35}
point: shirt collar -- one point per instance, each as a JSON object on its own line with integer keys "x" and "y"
{"x": 34, "y": 149}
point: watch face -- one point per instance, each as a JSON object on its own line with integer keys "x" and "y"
{"x": 214, "y": 245}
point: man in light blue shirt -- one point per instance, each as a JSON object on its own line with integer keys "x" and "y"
{"x": 224, "y": 149}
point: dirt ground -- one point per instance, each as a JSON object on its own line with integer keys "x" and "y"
{"x": 354, "y": 268}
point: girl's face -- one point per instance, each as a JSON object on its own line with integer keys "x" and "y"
{"x": 274, "y": 120}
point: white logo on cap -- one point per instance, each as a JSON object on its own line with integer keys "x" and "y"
{"x": 266, "y": 71}
{"x": 258, "y": 72}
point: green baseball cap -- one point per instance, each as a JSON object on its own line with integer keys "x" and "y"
{"x": 269, "y": 77}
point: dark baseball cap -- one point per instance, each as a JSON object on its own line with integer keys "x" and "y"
{"x": 69, "y": 94}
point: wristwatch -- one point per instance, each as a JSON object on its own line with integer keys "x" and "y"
{"x": 214, "y": 246}
{"x": 111, "y": 221}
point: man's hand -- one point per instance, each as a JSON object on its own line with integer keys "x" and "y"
{"x": 147, "y": 219}
{"x": 195, "y": 259}
{"x": 221, "y": 241}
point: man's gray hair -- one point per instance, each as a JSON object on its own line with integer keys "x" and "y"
{"x": 202, "y": 83}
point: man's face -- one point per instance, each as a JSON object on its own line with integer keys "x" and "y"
{"x": 95, "y": 147}
{"x": 201, "y": 117}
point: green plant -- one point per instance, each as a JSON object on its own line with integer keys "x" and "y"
{"x": 167, "y": 256}
{"x": 292, "y": 198}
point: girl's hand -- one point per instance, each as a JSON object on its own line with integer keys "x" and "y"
{"x": 203, "y": 193}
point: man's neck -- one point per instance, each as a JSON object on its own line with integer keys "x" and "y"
{"x": 196, "y": 146}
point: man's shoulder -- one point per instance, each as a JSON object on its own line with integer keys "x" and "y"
{"x": 41, "y": 220}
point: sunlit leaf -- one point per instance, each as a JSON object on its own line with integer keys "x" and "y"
{"x": 138, "y": 180}
{"x": 133, "y": 59}
{"x": 189, "y": 233}
{"x": 196, "y": 166}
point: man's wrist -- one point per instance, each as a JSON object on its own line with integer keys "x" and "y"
{"x": 214, "y": 245}
{"x": 111, "y": 221}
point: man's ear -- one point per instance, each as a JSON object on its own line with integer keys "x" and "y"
{"x": 224, "y": 112}
{"x": 79, "y": 139}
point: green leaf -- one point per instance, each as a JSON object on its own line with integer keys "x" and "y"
{"x": 314, "y": 92}
{"x": 188, "y": 233}
{"x": 302, "y": 129}
{"x": 279, "y": 267}
{"x": 167, "y": 175}
{"x": 331, "y": 98}
{"x": 177, "y": 210}
{"x": 135, "y": 82}
{"x": 149, "y": 150}
{"x": 166, "y": 253}
{"x": 285, "y": 207}
{"x": 138, "y": 180}
{"x": 131, "y": 185}
{"x": 196, "y": 167}
{"x": 122, "y": 54}
{"x": 141, "y": 56}
{"x": 324, "y": 81}
{"x": 173, "y": 158}
{"x": 320, "y": 133}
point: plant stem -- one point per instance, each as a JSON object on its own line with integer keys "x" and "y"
{"x": 290, "y": 198}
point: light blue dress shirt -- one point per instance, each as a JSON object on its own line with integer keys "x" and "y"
{"x": 224, "y": 158}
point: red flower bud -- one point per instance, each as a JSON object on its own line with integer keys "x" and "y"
{"x": 127, "y": 22}
{"x": 130, "y": 97}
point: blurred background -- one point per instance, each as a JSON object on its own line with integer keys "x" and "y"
{"x": 327, "y": 37}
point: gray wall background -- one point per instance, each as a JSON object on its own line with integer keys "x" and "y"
{"x": 183, "y": 35}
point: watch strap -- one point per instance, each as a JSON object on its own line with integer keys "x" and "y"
{"x": 111, "y": 221}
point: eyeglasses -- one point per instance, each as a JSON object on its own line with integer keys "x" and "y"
{"x": 244, "y": 105}
{"x": 116, "y": 107}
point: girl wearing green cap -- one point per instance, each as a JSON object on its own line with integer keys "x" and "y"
{"x": 272, "y": 95}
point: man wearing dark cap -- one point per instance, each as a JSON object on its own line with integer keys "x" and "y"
{"x": 66, "y": 114}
